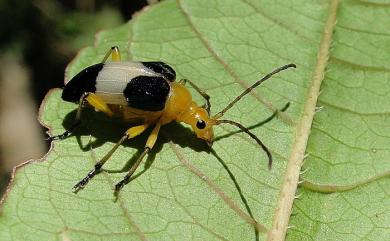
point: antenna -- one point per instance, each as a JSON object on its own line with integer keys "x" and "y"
{"x": 243, "y": 128}
{"x": 222, "y": 112}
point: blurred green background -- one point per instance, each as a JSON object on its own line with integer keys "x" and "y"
{"x": 37, "y": 40}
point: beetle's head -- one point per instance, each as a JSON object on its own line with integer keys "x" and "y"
{"x": 202, "y": 125}
{"x": 200, "y": 121}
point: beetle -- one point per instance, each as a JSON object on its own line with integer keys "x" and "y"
{"x": 146, "y": 93}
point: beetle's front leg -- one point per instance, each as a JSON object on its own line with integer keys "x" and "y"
{"x": 130, "y": 133}
{"x": 149, "y": 145}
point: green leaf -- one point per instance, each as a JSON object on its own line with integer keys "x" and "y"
{"x": 345, "y": 194}
{"x": 183, "y": 192}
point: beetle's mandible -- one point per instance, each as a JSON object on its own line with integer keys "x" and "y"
{"x": 147, "y": 93}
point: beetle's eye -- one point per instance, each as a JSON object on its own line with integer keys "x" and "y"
{"x": 200, "y": 124}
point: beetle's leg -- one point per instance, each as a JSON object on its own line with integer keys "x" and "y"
{"x": 149, "y": 145}
{"x": 98, "y": 104}
{"x": 200, "y": 91}
{"x": 115, "y": 54}
{"x": 93, "y": 100}
{"x": 75, "y": 124}
{"x": 130, "y": 133}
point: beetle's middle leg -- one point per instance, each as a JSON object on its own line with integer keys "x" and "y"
{"x": 130, "y": 133}
{"x": 149, "y": 145}
{"x": 200, "y": 91}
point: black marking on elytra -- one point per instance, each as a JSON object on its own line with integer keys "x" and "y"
{"x": 161, "y": 68}
{"x": 85, "y": 81}
{"x": 147, "y": 93}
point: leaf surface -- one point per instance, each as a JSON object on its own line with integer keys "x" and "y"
{"x": 345, "y": 194}
{"x": 184, "y": 192}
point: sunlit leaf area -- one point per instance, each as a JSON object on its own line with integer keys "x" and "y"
{"x": 326, "y": 123}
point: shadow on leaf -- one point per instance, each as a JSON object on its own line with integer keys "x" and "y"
{"x": 105, "y": 129}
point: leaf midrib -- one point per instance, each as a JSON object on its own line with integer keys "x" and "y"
{"x": 291, "y": 178}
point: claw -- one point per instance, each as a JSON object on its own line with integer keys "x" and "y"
{"x": 81, "y": 184}
{"x": 119, "y": 186}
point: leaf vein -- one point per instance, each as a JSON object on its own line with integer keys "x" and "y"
{"x": 217, "y": 190}
{"x": 229, "y": 70}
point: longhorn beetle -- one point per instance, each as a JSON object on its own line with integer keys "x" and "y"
{"x": 145, "y": 92}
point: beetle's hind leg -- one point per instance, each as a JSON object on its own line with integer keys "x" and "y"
{"x": 115, "y": 54}
{"x": 130, "y": 133}
{"x": 94, "y": 101}
{"x": 149, "y": 145}
{"x": 76, "y": 123}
